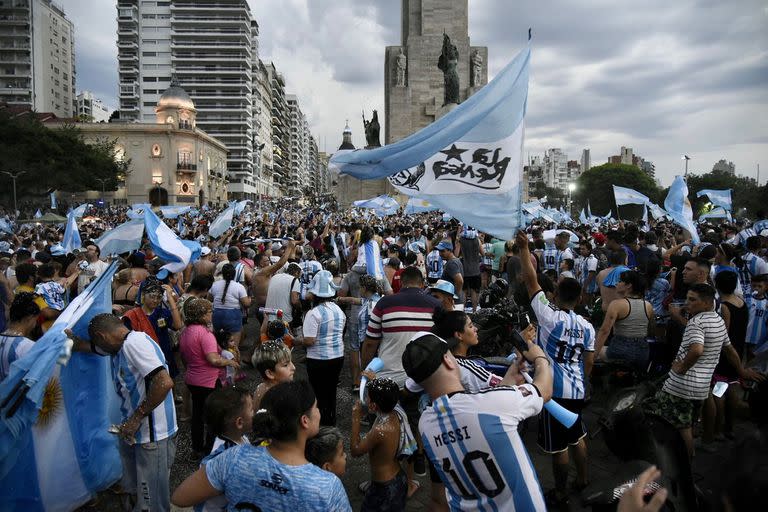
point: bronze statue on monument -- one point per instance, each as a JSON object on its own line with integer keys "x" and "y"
{"x": 447, "y": 63}
{"x": 372, "y": 129}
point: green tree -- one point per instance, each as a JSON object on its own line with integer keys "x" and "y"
{"x": 555, "y": 197}
{"x": 56, "y": 158}
{"x": 596, "y": 186}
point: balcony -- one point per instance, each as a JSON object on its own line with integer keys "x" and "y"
{"x": 128, "y": 57}
{"x": 186, "y": 166}
{"x": 128, "y": 44}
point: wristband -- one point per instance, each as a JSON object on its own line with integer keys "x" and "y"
{"x": 545, "y": 358}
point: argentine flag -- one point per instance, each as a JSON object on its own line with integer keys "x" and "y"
{"x": 53, "y": 200}
{"x": 381, "y": 205}
{"x": 372, "y": 259}
{"x": 80, "y": 210}
{"x": 166, "y": 244}
{"x": 5, "y": 226}
{"x": 468, "y": 162}
{"x": 625, "y": 195}
{"x": 716, "y": 213}
{"x": 657, "y": 212}
{"x": 240, "y": 206}
{"x": 720, "y": 198}
{"x": 222, "y": 223}
{"x": 71, "y": 239}
{"x": 417, "y": 205}
{"x": 137, "y": 210}
{"x": 38, "y": 214}
{"x": 171, "y": 212}
{"x": 679, "y": 207}
{"x": 55, "y": 451}
{"x": 124, "y": 238}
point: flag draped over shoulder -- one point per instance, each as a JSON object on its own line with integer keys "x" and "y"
{"x": 468, "y": 162}
{"x": 55, "y": 451}
{"x": 679, "y": 207}
{"x": 720, "y": 198}
{"x": 168, "y": 247}
{"x": 124, "y": 238}
{"x": 223, "y": 222}
{"x": 381, "y": 205}
{"x": 71, "y": 240}
{"x": 625, "y": 195}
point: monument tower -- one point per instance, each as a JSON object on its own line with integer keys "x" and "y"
{"x": 413, "y": 84}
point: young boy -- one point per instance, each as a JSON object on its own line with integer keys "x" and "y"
{"x": 52, "y": 288}
{"x": 757, "y": 329}
{"x": 278, "y": 330}
{"x": 273, "y": 361}
{"x": 389, "y": 440}
{"x": 229, "y": 415}
{"x": 326, "y": 451}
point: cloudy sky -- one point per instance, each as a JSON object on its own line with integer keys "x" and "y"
{"x": 665, "y": 78}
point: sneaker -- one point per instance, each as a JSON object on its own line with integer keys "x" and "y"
{"x": 419, "y": 464}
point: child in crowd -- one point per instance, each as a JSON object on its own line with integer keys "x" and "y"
{"x": 52, "y": 288}
{"x": 273, "y": 361}
{"x": 757, "y": 329}
{"x": 229, "y": 415}
{"x": 389, "y": 440}
{"x": 228, "y": 374}
{"x": 326, "y": 451}
{"x": 566, "y": 269}
{"x": 278, "y": 330}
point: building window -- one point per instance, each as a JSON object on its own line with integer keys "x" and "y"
{"x": 149, "y": 54}
{"x": 149, "y": 79}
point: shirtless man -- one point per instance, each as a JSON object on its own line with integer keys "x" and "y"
{"x": 608, "y": 294}
{"x": 389, "y": 485}
{"x": 205, "y": 265}
{"x": 265, "y": 270}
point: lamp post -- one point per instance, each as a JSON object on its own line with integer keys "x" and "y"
{"x": 686, "y": 158}
{"x": 571, "y": 188}
{"x": 14, "y": 175}
{"x": 103, "y": 182}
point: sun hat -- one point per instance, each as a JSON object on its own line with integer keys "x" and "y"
{"x": 322, "y": 285}
{"x": 444, "y": 286}
{"x": 444, "y": 245}
{"x": 205, "y": 251}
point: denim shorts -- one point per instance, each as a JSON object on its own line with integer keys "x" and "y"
{"x": 632, "y": 350}
{"x": 228, "y": 319}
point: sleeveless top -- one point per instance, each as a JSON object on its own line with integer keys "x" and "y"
{"x": 635, "y": 324}
{"x": 737, "y": 330}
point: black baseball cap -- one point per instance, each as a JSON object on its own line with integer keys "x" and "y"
{"x": 423, "y": 355}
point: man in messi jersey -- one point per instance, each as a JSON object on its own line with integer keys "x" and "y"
{"x": 471, "y": 439}
{"x": 569, "y": 341}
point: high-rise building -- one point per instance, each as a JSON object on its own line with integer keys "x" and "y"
{"x": 211, "y": 47}
{"x": 91, "y": 108}
{"x": 556, "y": 173}
{"x": 723, "y": 166}
{"x": 37, "y": 57}
{"x": 262, "y": 125}
{"x": 586, "y": 160}
{"x": 533, "y": 174}
{"x": 280, "y": 129}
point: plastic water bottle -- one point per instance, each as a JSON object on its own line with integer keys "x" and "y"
{"x": 272, "y": 311}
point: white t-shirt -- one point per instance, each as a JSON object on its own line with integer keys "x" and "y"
{"x": 472, "y": 441}
{"x": 235, "y": 292}
{"x": 91, "y": 272}
{"x": 278, "y": 293}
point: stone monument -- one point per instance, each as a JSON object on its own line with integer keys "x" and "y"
{"x": 417, "y": 100}
{"x": 372, "y": 129}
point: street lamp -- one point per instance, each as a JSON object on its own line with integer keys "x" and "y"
{"x": 571, "y": 188}
{"x": 686, "y": 158}
{"x": 14, "y": 175}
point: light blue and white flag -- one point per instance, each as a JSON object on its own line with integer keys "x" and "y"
{"x": 373, "y": 264}
{"x": 468, "y": 162}
{"x": 180, "y": 227}
{"x": 657, "y": 212}
{"x": 80, "y": 210}
{"x": 418, "y": 205}
{"x": 222, "y": 223}
{"x": 625, "y": 195}
{"x": 720, "y": 198}
{"x": 715, "y": 213}
{"x": 607, "y": 216}
{"x": 240, "y": 206}
{"x": 171, "y": 212}
{"x": 71, "y": 239}
{"x": 137, "y": 210}
{"x": 5, "y": 226}
{"x": 55, "y": 450}
{"x": 54, "y": 205}
{"x": 537, "y": 211}
{"x": 381, "y": 205}
{"x": 38, "y": 214}
{"x": 124, "y": 238}
{"x": 583, "y": 218}
{"x": 168, "y": 247}
{"x": 645, "y": 213}
{"x": 589, "y": 210}
{"x": 679, "y": 207}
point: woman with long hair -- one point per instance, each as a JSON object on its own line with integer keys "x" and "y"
{"x": 228, "y": 298}
{"x": 202, "y": 357}
{"x": 288, "y": 417}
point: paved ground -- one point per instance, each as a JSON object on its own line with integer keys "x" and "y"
{"x": 602, "y": 464}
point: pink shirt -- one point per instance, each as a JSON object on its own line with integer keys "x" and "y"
{"x": 197, "y": 341}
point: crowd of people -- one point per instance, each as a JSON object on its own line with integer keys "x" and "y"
{"x": 642, "y": 294}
